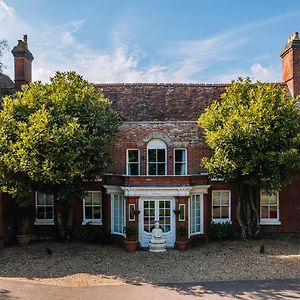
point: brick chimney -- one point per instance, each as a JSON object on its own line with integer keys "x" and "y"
{"x": 290, "y": 56}
{"x": 23, "y": 60}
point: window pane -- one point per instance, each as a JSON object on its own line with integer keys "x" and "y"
{"x": 40, "y": 198}
{"x": 225, "y": 198}
{"x": 273, "y": 212}
{"x": 216, "y": 198}
{"x": 273, "y": 200}
{"x": 179, "y": 155}
{"x": 224, "y": 212}
{"x": 152, "y": 169}
{"x": 264, "y": 199}
{"x": 49, "y": 199}
{"x": 96, "y": 198}
{"x": 179, "y": 169}
{"x": 161, "y": 170}
{"x": 152, "y": 155}
{"x": 133, "y": 155}
{"x": 88, "y": 199}
{"x": 88, "y": 212}
{"x": 49, "y": 213}
{"x": 216, "y": 212}
{"x": 264, "y": 212}
{"x": 161, "y": 153}
{"x": 40, "y": 213}
{"x": 97, "y": 212}
{"x": 133, "y": 169}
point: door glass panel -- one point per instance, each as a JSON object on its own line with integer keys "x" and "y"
{"x": 149, "y": 215}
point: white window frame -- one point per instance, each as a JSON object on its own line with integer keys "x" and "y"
{"x": 43, "y": 221}
{"x": 157, "y": 144}
{"x": 185, "y": 162}
{"x": 269, "y": 221}
{"x": 131, "y": 210}
{"x": 181, "y": 207}
{"x": 128, "y": 163}
{"x": 223, "y": 220}
{"x": 120, "y": 197}
{"x": 97, "y": 221}
{"x": 201, "y": 214}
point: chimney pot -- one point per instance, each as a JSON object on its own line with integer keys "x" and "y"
{"x": 25, "y": 38}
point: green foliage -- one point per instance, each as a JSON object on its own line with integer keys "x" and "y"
{"x": 181, "y": 231}
{"x": 254, "y": 132}
{"x": 130, "y": 230}
{"x": 3, "y": 47}
{"x": 220, "y": 231}
{"x": 53, "y": 137}
{"x": 91, "y": 234}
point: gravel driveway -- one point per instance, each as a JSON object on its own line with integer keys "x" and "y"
{"x": 73, "y": 264}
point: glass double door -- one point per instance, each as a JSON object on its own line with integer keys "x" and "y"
{"x": 160, "y": 210}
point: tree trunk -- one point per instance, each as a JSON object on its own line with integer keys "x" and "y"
{"x": 247, "y": 211}
{"x": 239, "y": 212}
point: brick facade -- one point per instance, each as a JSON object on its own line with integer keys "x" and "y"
{"x": 166, "y": 112}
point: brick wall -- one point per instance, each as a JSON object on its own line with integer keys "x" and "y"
{"x": 174, "y": 134}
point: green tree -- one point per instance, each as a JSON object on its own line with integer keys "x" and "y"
{"x": 53, "y": 138}
{"x": 254, "y": 134}
{"x": 3, "y": 47}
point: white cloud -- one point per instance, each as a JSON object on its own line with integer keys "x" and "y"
{"x": 5, "y": 10}
{"x": 256, "y": 72}
{"x": 56, "y": 48}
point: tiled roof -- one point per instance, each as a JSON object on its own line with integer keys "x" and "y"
{"x": 6, "y": 85}
{"x": 161, "y": 102}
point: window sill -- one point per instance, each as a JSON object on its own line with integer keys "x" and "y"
{"x": 92, "y": 223}
{"x": 43, "y": 222}
{"x": 220, "y": 221}
{"x": 195, "y": 233}
{"x": 270, "y": 222}
{"x": 118, "y": 233}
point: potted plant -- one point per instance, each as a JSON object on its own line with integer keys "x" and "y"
{"x": 182, "y": 242}
{"x": 130, "y": 242}
{"x": 25, "y": 215}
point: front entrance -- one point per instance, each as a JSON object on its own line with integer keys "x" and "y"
{"x": 157, "y": 210}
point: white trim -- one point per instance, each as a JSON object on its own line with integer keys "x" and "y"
{"x": 129, "y": 213}
{"x": 270, "y": 221}
{"x": 170, "y": 236}
{"x": 112, "y": 213}
{"x": 92, "y": 222}
{"x": 43, "y": 221}
{"x": 113, "y": 189}
{"x": 179, "y": 219}
{"x": 201, "y": 216}
{"x": 185, "y": 162}
{"x": 223, "y": 220}
{"x": 96, "y": 221}
{"x": 146, "y": 191}
{"x": 157, "y": 144}
{"x": 127, "y": 161}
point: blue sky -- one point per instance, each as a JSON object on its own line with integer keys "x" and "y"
{"x": 152, "y": 40}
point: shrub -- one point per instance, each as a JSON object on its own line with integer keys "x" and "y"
{"x": 220, "y": 231}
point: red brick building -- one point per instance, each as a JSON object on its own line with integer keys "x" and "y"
{"x": 156, "y": 173}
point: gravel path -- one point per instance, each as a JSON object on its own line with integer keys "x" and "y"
{"x": 75, "y": 264}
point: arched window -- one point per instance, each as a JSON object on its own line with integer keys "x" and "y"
{"x": 157, "y": 157}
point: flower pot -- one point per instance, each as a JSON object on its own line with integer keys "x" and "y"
{"x": 23, "y": 239}
{"x": 182, "y": 245}
{"x": 130, "y": 246}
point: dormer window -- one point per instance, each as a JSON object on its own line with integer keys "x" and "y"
{"x": 157, "y": 154}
